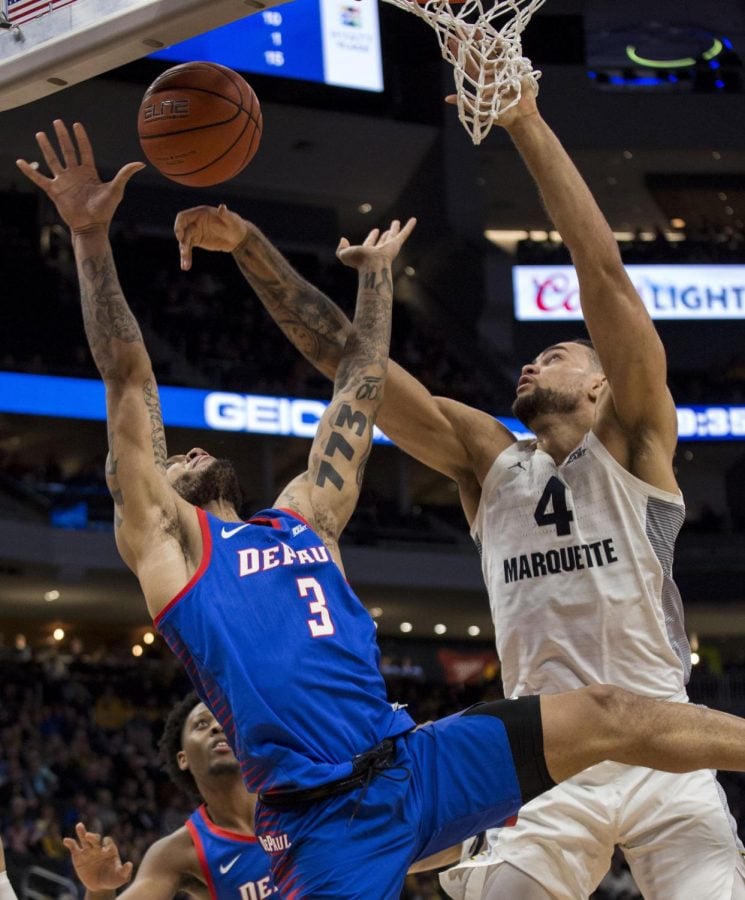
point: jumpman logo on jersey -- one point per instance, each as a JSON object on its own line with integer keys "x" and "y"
{"x": 517, "y": 465}
{"x": 225, "y": 869}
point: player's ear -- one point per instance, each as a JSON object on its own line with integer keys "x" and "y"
{"x": 598, "y": 383}
{"x": 182, "y": 761}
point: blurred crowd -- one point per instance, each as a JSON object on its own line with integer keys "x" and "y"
{"x": 78, "y": 742}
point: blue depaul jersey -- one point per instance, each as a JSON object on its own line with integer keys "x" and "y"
{"x": 234, "y": 865}
{"x": 282, "y": 651}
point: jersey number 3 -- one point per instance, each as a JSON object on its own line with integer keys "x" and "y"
{"x": 322, "y": 626}
{"x": 552, "y": 508}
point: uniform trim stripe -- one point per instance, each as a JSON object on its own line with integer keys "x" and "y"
{"x": 205, "y": 561}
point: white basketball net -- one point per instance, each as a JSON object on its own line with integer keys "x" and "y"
{"x": 484, "y": 47}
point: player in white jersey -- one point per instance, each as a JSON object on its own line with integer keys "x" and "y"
{"x": 576, "y": 530}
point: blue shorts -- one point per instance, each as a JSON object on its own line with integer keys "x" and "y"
{"x": 447, "y": 781}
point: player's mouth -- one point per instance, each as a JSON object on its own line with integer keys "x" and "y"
{"x": 524, "y": 380}
{"x": 200, "y": 460}
{"x": 221, "y": 746}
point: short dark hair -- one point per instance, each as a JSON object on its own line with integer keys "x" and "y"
{"x": 593, "y": 353}
{"x": 171, "y": 742}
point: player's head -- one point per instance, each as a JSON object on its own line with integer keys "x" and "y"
{"x": 194, "y": 748}
{"x": 564, "y": 378}
{"x": 201, "y": 479}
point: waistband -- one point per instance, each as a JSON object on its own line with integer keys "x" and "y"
{"x": 364, "y": 767}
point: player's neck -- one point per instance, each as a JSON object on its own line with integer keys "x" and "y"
{"x": 230, "y": 806}
{"x": 223, "y": 510}
{"x": 558, "y": 434}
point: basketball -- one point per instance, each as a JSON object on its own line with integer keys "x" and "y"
{"x": 199, "y": 124}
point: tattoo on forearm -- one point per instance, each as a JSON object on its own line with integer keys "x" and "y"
{"x": 157, "y": 432}
{"x": 369, "y": 389}
{"x": 105, "y": 312}
{"x": 338, "y": 442}
{"x": 370, "y": 281}
{"x": 326, "y": 472}
{"x": 357, "y": 420}
{"x": 315, "y": 325}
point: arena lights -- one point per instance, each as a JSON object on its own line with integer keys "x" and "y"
{"x": 474, "y": 630}
{"x": 58, "y": 634}
{"x": 406, "y": 627}
{"x": 137, "y": 650}
{"x": 20, "y": 642}
{"x": 440, "y": 628}
{"x": 148, "y": 637}
{"x": 51, "y": 596}
{"x": 376, "y": 612}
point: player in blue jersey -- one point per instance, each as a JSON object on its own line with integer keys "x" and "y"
{"x": 275, "y": 641}
{"x": 215, "y": 855}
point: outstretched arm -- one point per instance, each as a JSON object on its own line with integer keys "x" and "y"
{"x": 640, "y": 406}
{"x": 326, "y": 494}
{"x": 164, "y": 868}
{"x": 448, "y": 436}
{"x": 146, "y": 508}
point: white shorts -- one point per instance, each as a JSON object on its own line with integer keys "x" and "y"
{"x": 675, "y": 830}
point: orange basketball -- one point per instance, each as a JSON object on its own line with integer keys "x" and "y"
{"x": 199, "y": 124}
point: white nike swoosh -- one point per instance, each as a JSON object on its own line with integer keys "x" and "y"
{"x": 229, "y": 532}
{"x": 225, "y": 869}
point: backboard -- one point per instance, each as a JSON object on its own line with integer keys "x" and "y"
{"x": 46, "y": 45}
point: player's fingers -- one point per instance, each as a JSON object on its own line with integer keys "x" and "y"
{"x": 372, "y": 238}
{"x": 125, "y": 173}
{"x": 31, "y": 171}
{"x": 92, "y": 839}
{"x": 84, "y": 145}
{"x": 343, "y": 245}
{"x": 185, "y": 243}
{"x": 48, "y": 153}
{"x": 407, "y": 229}
{"x": 69, "y": 155}
{"x": 452, "y": 99}
{"x": 126, "y": 870}
{"x": 72, "y": 845}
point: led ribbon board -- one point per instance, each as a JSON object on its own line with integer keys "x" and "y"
{"x": 81, "y": 398}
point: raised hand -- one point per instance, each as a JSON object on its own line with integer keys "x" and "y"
{"x": 492, "y": 67}
{"x": 208, "y": 227}
{"x": 96, "y": 861}
{"x": 84, "y": 202}
{"x": 376, "y": 246}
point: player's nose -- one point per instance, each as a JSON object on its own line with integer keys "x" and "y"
{"x": 194, "y": 452}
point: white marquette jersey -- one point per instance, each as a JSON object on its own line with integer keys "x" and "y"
{"x": 577, "y": 559}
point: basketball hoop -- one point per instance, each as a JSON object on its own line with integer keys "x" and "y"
{"x": 484, "y": 47}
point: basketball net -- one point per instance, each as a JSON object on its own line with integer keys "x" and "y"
{"x": 485, "y": 50}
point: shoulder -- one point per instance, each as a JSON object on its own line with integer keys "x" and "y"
{"x": 175, "y": 852}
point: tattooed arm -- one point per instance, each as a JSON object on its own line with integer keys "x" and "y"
{"x": 146, "y": 507}
{"x": 451, "y": 437}
{"x": 327, "y": 493}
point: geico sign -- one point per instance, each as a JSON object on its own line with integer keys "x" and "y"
{"x": 258, "y": 414}
{"x": 547, "y": 293}
{"x": 262, "y": 415}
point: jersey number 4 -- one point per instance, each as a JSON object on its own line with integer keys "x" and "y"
{"x": 310, "y": 588}
{"x": 552, "y": 508}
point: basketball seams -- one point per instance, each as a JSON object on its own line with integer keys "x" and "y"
{"x": 221, "y": 156}
{"x": 190, "y": 89}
